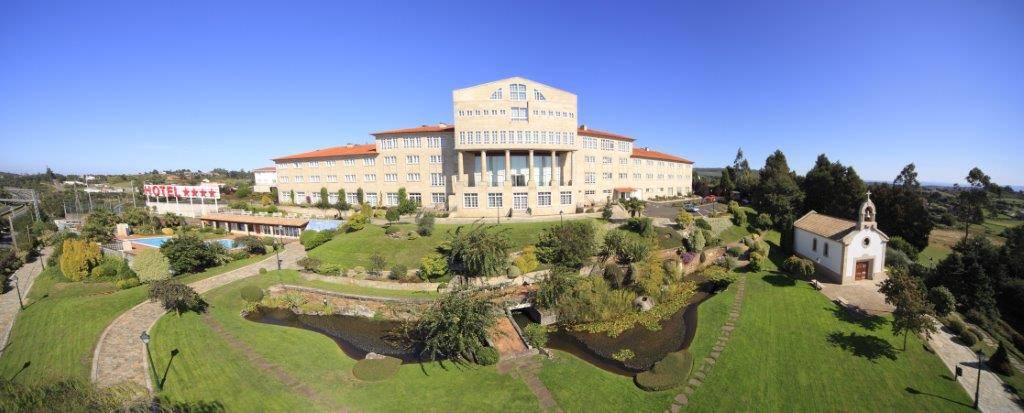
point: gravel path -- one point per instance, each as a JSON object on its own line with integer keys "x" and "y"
{"x": 120, "y": 356}
{"x": 994, "y": 395}
{"x": 9, "y": 306}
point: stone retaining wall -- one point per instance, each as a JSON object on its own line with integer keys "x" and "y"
{"x": 391, "y": 308}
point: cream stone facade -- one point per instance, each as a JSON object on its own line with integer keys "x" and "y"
{"x": 845, "y": 250}
{"x": 515, "y": 149}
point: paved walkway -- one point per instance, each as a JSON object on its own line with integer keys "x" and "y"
{"x": 9, "y": 306}
{"x": 863, "y": 294}
{"x": 121, "y": 357}
{"x": 527, "y": 369}
{"x": 994, "y": 395}
{"x": 700, "y": 372}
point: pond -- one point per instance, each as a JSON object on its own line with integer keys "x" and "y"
{"x": 676, "y": 333}
{"x": 356, "y": 336}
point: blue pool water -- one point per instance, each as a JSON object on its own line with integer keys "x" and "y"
{"x": 156, "y": 242}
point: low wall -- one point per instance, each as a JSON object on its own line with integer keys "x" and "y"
{"x": 528, "y": 278}
{"x": 391, "y": 308}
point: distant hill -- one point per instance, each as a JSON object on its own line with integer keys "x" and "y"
{"x": 709, "y": 172}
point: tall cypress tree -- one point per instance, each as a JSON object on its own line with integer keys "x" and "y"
{"x": 778, "y": 195}
{"x": 833, "y": 189}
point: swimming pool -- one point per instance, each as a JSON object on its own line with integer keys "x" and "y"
{"x": 156, "y": 242}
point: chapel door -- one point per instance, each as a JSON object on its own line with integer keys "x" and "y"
{"x": 862, "y": 270}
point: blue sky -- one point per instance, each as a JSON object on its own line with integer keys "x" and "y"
{"x": 110, "y": 87}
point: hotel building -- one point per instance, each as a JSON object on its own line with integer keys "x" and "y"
{"x": 516, "y": 148}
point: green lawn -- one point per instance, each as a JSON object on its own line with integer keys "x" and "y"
{"x": 733, "y": 234}
{"x": 59, "y": 329}
{"x": 271, "y": 368}
{"x": 932, "y": 254}
{"x": 354, "y": 249}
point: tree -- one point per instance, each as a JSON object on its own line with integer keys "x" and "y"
{"x": 150, "y": 265}
{"x": 378, "y": 263}
{"x": 454, "y": 326}
{"x": 726, "y": 185}
{"x": 432, "y": 266}
{"x": 342, "y": 204}
{"x": 833, "y": 189}
{"x": 907, "y": 177}
{"x": 392, "y": 215}
{"x": 778, "y": 195}
{"x": 684, "y": 219}
{"x": 742, "y": 176}
{"x": 99, "y": 226}
{"x": 569, "y": 244}
{"x": 405, "y": 205}
{"x": 425, "y": 224}
{"x": 360, "y": 196}
{"x": 943, "y": 300}
{"x": 244, "y": 191}
{"x": 973, "y": 272}
{"x": 635, "y": 206}
{"x": 906, "y": 293}
{"x": 176, "y": 296}
{"x": 902, "y": 211}
{"x": 479, "y": 250}
{"x": 970, "y": 204}
{"x": 251, "y": 244}
{"x": 324, "y": 202}
{"x": 78, "y": 258}
{"x": 188, "y": 253}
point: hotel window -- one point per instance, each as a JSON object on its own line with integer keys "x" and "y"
{"x": 350, "y": 178}
{"x": 352, "y": 197}
{"x": 435, "y": 159}
{"x": 416, "y": 197}
{"x": 314, "y": 164}
{"x": 298, "y": 179}
{"x": 295, "y": 164}
{"x": 496, "y": 95}
{"x": 814, "y": 244}
{"x": 623, "y": 146}
{"x": 412, "y": 177}
{"x": 607, "y": 144}
{"x": 590, "y": 178}
{"x": 412, "y": 142}
{"x": 436, "y": 179}
{"x": 566, "y": 197}
{"x": 517, "y": 91}
{"x": 826, "y": 249}
{"x": 462, "y": 113}
{"x": 369, "y": 161}
{"x": 590, "y": 159}
{"x": 371, "y": 198}
{"x": 494, "y": 199}
{"x": 370, "y": 178}
{"x": 329, "y": 163}
{"x": 544, "y": 199}
{"x": 503, "y": 140}
{"x": 537, "y": 95}
{"x": 606, "y": 176}
{"x": 623, "y": 161}
{"x": 437, "y": 198}
{"x": 389, "y": 143}
{"x": 589, "y": 143}
{"x": 390, "y": 160}
{"x": 470, "y": 201}
{"x": 637, "y": 176}
{"x": 519, "y": 201}
{"x": 477, "y": 140}
{"x": 333, "y": 198}
{"x": 434, "y": 142}
{"x": 300, "y": 197}
{"x": 650, "y": 176}
{"x": 636, "y": 162}
{"x": 332, "y": 178}
{"x": 314, "y": 178}
{"x": 623, "y": 175}
{"x": 607, "y": 160}
{"x": 519, "y": 136}
{"x": 462, "y": 138}
{"x": 412, "y": 159}
{"x": 487, "y": 136}
{"x": 520, "y": 114}
{"x": 661, "y": 176}
{"x": 476, "y": 112}
{"x": 392, "y": 198}
{"x": 284, "y": 179}
{"x": 590, "y": 192}
{"x": 392, "y": 177}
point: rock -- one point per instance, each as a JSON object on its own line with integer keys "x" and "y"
{"x": 682, "y": 399}
{"x": 374, "y": 356}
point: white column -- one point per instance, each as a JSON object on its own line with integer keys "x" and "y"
{"x": 529, "y": 178}
{"x": 462, "y": 168}
{"x": 553, "y": 159}
{"x": 483, "y": 168}
{"x": 508, "y": 168}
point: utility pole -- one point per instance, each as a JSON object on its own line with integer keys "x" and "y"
{"x": 133, "y": 194}
{"x": 10, "y": 221}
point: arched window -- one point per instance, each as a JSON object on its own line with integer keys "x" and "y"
{"x": 496, "y": 95}
{"x": 867, "y": 241}
{"x": 869, "y": 214}
{"x": 537, "y": 95}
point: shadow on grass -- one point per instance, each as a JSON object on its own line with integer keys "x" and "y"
{"x": 917, "y": 392}
{"x": 866, "y": 346}
{"x": 868, "y": 321}
{"x": 779, "y": 280}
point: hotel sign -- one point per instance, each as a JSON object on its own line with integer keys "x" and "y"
{"x": 182, "y": 191}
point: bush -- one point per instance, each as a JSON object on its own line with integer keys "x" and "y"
{"x": 480, "y": 250}
{"x": 606, "y": 211}
{"x": 684, "y": 219}
{"x": 487, "y": 356}
{"x": 176, "y": 296}
{"x": 309, "y": 263}
{"x": 378, "y": 263}
{"x": 703, "y": 224}
{"x": 896, "y": 259}
{"x": 1000, "y": 361}
{"x": 527, "y": 260}
{"x": 735, "y": 251}
{"x": 634, "y": 250}
{"x": 671, "y": 267}
{"x": 251, "y": 293}
{"x": 731, "y": 263}
{"x": 398, "y": 272}
{"x": 311, "y": 239}
{"x": 107, "y": 269}
{"x": 717, "y": 279}
{"x": 376, "y": 369}
{"x": 688, "y": 257}
{"x": 238, "y": 255}
{"x": 697, "y": 242}
{"x": 433, "y": 265}
{"x": 425, "y": 224}
{"x": 956, "y": 324}
{"x": 763, "y": 222}
{"x": 513, "y": 271}
{"x": 899, "y": 244}
{"x": 613, "y": 241}
{"x": 623, "y": 354}
{"x": 668, "y": 373}
{"x": 391, "y": 230}
{"x": 252, "y": 244}
{"x": 758, "y": 262}
{"x": 614, "y": 275}
{"x": 800, "y": 267}
{"x": 536, "y": 335}
{"x": 392, "y": 215}
{"x": 641, "y": 225}
{"x": 151, "y": 265}
{"x": 263, "y": 271}
{"x": 569, "y": 244}
{"x": 189, "y": 253}
{"x": 968, "y": 337}
{"x": 78, "y": 258}
{"x": 943, "y": 300}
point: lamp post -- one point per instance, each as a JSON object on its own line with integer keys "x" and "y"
{"x": 277, "y": 253}
{"x": 145, "y": 341}
{"x": 977, "y": 384}
{"x": 14, "y": 278}
{"x": 560, "y": 215}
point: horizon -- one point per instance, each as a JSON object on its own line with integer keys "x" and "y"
{"x": 121, "y": 87}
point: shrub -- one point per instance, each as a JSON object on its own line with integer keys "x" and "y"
{"x": 176, "y": 296}
{"x": 641, "y": 225}
{"x": 717, "y": 279}
{"x": 758, "y": 262}
{"x": 513, "y": 271}
{"x": 481, "y": 250}
{"x": 684, "y": 219}
{"x": 763, "y": 222}
{"x": 151, "y": 265}
{"x": 896, "y": 259}
{"x": 433, "y": 265}
{"x": 735, "y": 251}
{"x": 251, "y": 293}
{"x": 670, "y": 267}
{"x": 943, "y": 300}
{"x": 688, "y": 257}
{"x": 188, "y": 253}
{"x": 800, "y": 267}
{"x": 623, "y": 354}
{"x": 398, "y": 272}
{"x": 968, "y": 337}
{"x": 899, "y": 244}
{"x": 378, "y": 263}
{"x": 697, "y": 241}
{"x": 536, "y": 335}
{"x": 527, "y": 260}
{"x": 238, "y": 255}
{"x": 668, "y": 373}
{"x": 376, "y": 369}
{"x": 606, "y": 211}
{"x": 634, "y": 250}
{"x": 78, "y": 257}
{"x": 613, "y": 241}
{"x": 425, "y": 224}
{"x": 614, "y": 275}
{"x": 107, "y": 269}
{"x": 731, "y": 263}
{"x": 412, "y": 235}
{"x": 392, "y": 215}
{"x": 263, "y": 271}
{"x": 702, "y": 224}
{"x": 127, "y": 283}
{"x": 569, "y": 243}
{"x": 1000, "y": 361}
{"x": 124, "y": 271}
{"x": 956, "y": 324}
{"x": 311, "y": 239}
{"x": 391, "y": 230}
{"x": 487, "y": 356}
{"x": 252, "y": 244}
{"x": 309, "y": 263}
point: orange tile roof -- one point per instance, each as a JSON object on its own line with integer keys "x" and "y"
{"x": 824, "y": 225}
{"x": 255, "y": 219}
{"x": 661, "y": 156}
{"x": 266, "y": 169}
{"x": 347, "y": 150}
{"x": 440, "y": 127}
{"x": 586, "y": 131}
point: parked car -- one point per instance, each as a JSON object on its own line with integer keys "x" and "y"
{"x": 691, "y": 208}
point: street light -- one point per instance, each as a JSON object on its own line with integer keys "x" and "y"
{"x": 560, "y": 215}
{"x": 145, "y": 338}
{"x": 145, "y": 341}
{"x": 14, "y": 278}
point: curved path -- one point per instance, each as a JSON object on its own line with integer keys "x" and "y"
{"x": 120, "y": 357}
{"x": 9, "y": 301}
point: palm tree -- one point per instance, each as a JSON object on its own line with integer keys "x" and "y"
{"x": 635, "y": 206}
